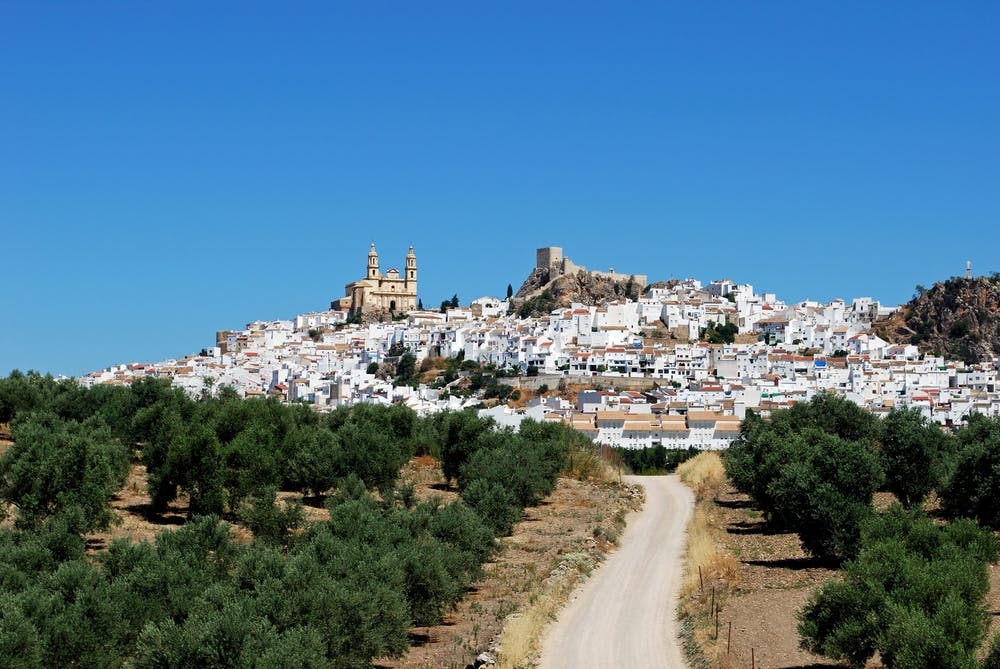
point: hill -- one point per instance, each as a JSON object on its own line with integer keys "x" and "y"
{"x": 539, "y": 295}
{"x": 958, "y": 318}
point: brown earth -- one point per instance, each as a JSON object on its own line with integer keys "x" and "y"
{"x": 5, "y": 442}
{"x": 577, "y": 517}
{"x": 774, "y": 579}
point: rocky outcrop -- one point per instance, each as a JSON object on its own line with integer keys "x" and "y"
{"x": 538, "y": 278}
{"x": 538, "y": 295}
{"x": 958, "y": 318}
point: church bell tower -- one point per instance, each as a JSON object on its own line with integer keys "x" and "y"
{"x": 373, "y": 263}
{"x": 411, "y": 269}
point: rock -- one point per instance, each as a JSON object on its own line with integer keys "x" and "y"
{"x": 959, "y": 318}
{"x": 485, "y": 660}
{"x": 543, "y": 295}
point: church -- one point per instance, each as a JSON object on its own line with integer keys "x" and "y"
{"x": 387, "y": 292}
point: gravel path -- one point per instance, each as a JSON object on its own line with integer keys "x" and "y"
{"x": 625, "y": 614}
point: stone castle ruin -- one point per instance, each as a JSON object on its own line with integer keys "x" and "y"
{"x": 552, "y": 260}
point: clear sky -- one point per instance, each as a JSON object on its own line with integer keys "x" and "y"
{"x": 169, "y": 169}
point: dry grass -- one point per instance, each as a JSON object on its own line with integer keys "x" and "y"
{"x": 704, "y": 474}
{"x": 5, "y": 442}
{"x": 583, "y": 464}
{"x": 710, "y": 569}
{"x": 519, "y": 642}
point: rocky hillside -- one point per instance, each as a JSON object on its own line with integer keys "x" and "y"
{"x": 959, "y": 318}
{"x": 538, "y": 295}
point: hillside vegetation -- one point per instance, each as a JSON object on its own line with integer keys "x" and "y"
{"x": 336, "y": 593}
{"x": 959, "y": 318}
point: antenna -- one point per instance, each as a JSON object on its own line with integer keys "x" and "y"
{"x": 968, "y": 269}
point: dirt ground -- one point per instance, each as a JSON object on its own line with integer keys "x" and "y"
{"x": 775, "y": 578}
{"x": 577, "y": 517}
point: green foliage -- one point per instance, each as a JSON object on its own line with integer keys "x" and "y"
{"x": 458, "y": 433}
{"x": 495, "y": 504}
{"x": 655, "y": 459}
{"x": 315, "y": 459}
{"x": 915, "y": 455}
{"x": 812, "y": 469}
{"x": 335, "y": 594}
{"x": 271, "y": 523}
{"x": 719, "y": 334}
{"x": 57, "y": 464}
{"x": 406, "y": 370}
{"x": 539, "y": 305}
{"x": 974, "y": 488}
{"x": 914, "y": 594}
{"x": 504, "y": 472}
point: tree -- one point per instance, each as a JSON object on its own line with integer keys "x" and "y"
{"x": 315, "y": 459}
{"x": 270, "y": 522}
{"x": 914, "y": 453}
{"x": 914, "y": 594}
{"x": 195, "y": 462}
{"x": 494, "y": 504}
{"x": 406, "y": 369}
{"x": 459, "y": 431}
{"x": 972, "y": 491}
{"x": 825, "y": 493}
{"x": 510, "y": 291}
{"x": 454, "y": 301}
{"x": 812, "y": 469}
{"x": 56, "y": 465}
{"x": 372, "y": 454}
{"x": 420, "y": 305}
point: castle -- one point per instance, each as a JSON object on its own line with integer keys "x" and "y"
{"x": 387, "y": 292}
{"x": 551, "y": 259}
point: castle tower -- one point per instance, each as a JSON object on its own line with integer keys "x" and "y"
{"x": 373, "y": 263}
{"x": 411, "y": 269}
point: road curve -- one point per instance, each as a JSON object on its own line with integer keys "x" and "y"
{"x": 624, "y": 615}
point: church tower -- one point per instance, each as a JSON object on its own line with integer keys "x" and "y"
{"x": 411, "y": 270}
{"x": 373, "y": 263}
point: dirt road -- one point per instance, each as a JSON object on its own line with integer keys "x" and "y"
{"x": 624, "y": 616}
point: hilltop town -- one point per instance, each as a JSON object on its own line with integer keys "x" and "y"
{"x": 678, "y": 366}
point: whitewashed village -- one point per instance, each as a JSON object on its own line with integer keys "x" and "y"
{"x": 630, "y": 373}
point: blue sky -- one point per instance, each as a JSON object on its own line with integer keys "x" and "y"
{"x": 171, "y": 169}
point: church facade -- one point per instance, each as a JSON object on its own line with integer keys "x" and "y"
{"x": 390, "y": 292}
